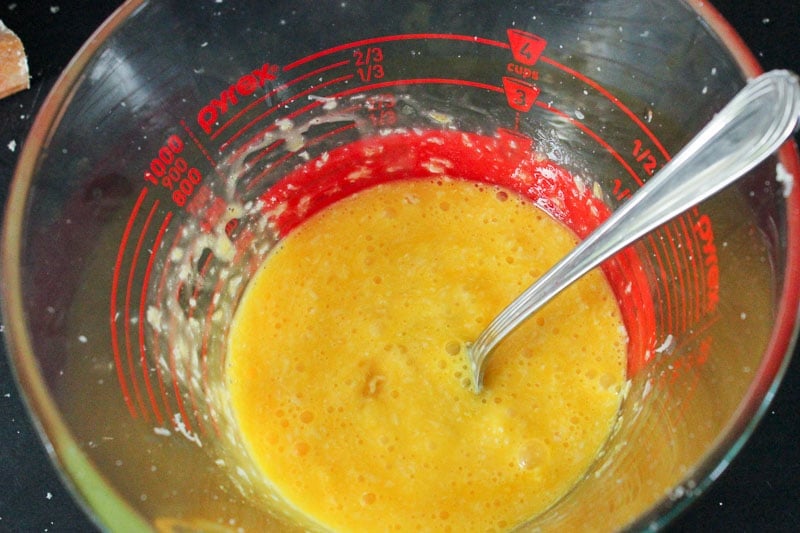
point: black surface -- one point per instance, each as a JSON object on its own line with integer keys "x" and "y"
{"x": 760, "y": 491}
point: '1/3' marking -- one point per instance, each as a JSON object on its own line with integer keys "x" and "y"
{"x": 369, "y": 62}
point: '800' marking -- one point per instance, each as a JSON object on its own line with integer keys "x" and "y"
{"x": 172, "y": 172}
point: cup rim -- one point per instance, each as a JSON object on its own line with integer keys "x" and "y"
{"x": 101, "y": 501}
{"x": 783, "y": 339}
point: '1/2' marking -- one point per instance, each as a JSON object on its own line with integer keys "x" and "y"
{"x": 645, "y": 157}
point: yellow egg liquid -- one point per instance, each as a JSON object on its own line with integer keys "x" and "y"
{"x": 348, "y": 376}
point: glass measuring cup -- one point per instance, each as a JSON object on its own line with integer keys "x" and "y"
{"x": 101, "y": 183}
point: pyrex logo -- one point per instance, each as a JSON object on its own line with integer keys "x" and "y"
{"x": 244, "y": 86}
{"x": 705, "y": 232}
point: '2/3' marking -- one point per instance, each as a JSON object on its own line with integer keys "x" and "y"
{"x": 369, "y": 62}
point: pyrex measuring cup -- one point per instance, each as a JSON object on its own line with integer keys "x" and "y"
{"x": 185, "y": 140}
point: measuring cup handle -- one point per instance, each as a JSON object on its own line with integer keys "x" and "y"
{"x": 744, "y": 133}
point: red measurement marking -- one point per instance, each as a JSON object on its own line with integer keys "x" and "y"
{"x": 114, "y": 312}
{"x": 679, "y": 281}
{"x": 173, "y": 172}
{"x": 275, "y": 91}
{"x": 176, "y": 389}
{"x": 170, "y": 348}
{"x": 657, "y": 242}
{"x": 520, "y": 95}
{"x": 596, "y": 137}
{"x": 251, "y": 146}
{"x": 355, "y": 90}
{"x": 613, "y": 99}
{"x": 527, "y": 52}
{"x": 670, "y": 280}
{"x": 338, "y": 131}
{"x": 269, "y": 169}
{"x": 370, "y": 55}
{"x": 143, "y": 313}
{"x": 700, "y": 273}
{"x": 284, "y": 103}
{"x": 489, "y": 42}
{"x": 129, "y": 301}
{"x": 618, "y": 192}
{"x": 372, "y": 72}
{"x": 264, "y": 153}
{"x": 420, "y": 81}
{"x": 468, "y": 83}
{"x": 628, "y": 275}
{"x": 198, "y": 144}
{"x": 369, "y": 62}
{"x": 159, "y": 171}
{"x": 689, "y": 249}
{"x": 284, "y": 157}
{"x": 692, "y": 295}
{"x": 203, "y": 269}
{"x": 381, "y": 109}
{"x": 142, "y": 317}
{"x": 161, "y": 297}
{"x": 690, "y": 252}
{"x": 525, "y": 46}
{"x": 241, "y": 245}
{"x": 247, "y": 149}
{"x": 645, "y": 157}
{"x": 392, "y": 38}
{"x": 657, "y": 267}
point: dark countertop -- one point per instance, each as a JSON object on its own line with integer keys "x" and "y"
{"x": 760, "y": 490}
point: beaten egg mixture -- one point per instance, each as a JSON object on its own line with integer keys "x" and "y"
{"x": 349, "y": 380}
